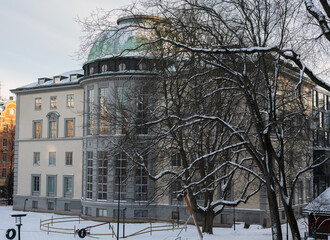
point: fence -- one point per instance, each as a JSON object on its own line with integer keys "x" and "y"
{"x": 155, "y": 224}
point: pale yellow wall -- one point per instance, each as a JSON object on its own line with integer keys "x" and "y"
{"x": 27, "y": 145}
{"x": 26, "y": 167}
{"x": 28, "y": 114}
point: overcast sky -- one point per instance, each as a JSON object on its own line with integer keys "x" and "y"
{"x": 39, "y": 38}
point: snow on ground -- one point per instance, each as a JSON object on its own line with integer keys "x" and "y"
{"x": 30, "y": 229}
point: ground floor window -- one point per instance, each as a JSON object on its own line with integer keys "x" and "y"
{"x": 120, "y": 177}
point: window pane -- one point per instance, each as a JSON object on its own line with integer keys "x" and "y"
{"x": 52, "y": 158}
{"x": 36, "y": 158}
{"x": 68, "y": 183}
{"x": 70, "y": 101}
{"x": 51, "y": 185}
{"x": 37, "y": 129}
{"x": 52, "y": 129}
{"x": 53, "y": 102}
{"x": 68, "y": 158}
{"x": 69, "y": 128}
{"x": 37, "y": 104}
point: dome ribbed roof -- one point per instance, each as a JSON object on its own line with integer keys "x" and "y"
{"x": 123, "y": 40}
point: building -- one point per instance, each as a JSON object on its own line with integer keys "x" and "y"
{"x": 7, "y": 137}
{"x": 321, "y": 136}
{"x": 318, "y": 212}
{"x": 48, "y": 159}
{"x": 63, "y": 163}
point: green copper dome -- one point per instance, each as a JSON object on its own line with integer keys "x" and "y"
{"x": 124, "y": 39}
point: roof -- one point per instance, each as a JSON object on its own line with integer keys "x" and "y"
{"x": 321, "y": 204}
{"x": 123, "y": 40}
{"x": 65, "y": 80}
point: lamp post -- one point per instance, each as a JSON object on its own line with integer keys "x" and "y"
{"x": 234, "y": 220}
{"x": 118, "y": 210}
{"x": 124, "y": 215}
{"x": 18, "y": 221}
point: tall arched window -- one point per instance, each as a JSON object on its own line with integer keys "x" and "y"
{"x": 53, "y": 124}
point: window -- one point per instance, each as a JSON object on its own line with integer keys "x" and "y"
{"x": 104, "y": 112}
{"x": 35, "y": 204}
{"x": 53, "y": 102}
{"x": 37, "y": 104}
{"x": 89, "y": 190}
{"x": 4, "y": 143}
{"x": 101, "y": 212}
{"x": 51, "y": 205}
{"x": 36, "y": 158}
{"x": 198, "y": 192}
{"x": 68, "y": 186}
{"x": 300, "y": 192}
{"x": 321, "y": 119}
{"x": 122, "y": 67}
{"x": 35, "y": 185}
{"x": 121, "y": 114}
{"x": 69, "y": 127}
{"x": 68, "y": 158}
{"x": 37, "y": 129}
{"x": 141, "y": 184}
{"x": 5, "y": 128}
{"x": 67, "y": 207}
{"x": 141, "y": 115}
{"x": 52, "y": 158}
{"x": 176, "y": 160}
{"x": 102, "y": 176}
{"x": 142, "y": 66}
{"x": 4, "y": 173}
{"x": 308, "y": 190}
{"x": 120, "y": 177}
{"x": 52, "y": 129}
{"x": 299, "y": 160}
{"x": 73, "y": 77}
{"x": 176, "y": 187}
{"x": 315, "y": 99}
{"x": 90, "y": 105}
{"x": 91, "y": 70}
{"x": 104, "y": 67}
{"x": 51, "y": 186}
{"x": 88, "y": 211}
{"x": 12, "y": 112}
{"x": 57, "y": 79}
{"x": 70, "y": 101}
{"x": 52, "y": 124}
{"x": 321, "y": 100}
{"x": 4, "y": 157}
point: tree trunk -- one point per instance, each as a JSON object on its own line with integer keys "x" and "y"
{"x": 274, "y": 214}
{"x": 292, "y": 222}
{"x": 207, "y": 226}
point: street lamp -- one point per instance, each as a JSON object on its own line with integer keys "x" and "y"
{"x": 118, "y": 210}
{"x": 124, "y": 215}
{"x": 18, "y": 221}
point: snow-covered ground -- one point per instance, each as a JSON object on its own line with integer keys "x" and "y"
{"x": 30, "y": 229}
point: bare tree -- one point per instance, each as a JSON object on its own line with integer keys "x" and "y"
{"x": 321, "y": 14}
{"x": 242, "y": 49}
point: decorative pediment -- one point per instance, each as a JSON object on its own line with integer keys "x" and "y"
{"x": 53, "y": 116}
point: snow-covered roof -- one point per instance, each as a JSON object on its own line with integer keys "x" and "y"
{"x": 321, "y": 204}
{"x": 66, "y": 79}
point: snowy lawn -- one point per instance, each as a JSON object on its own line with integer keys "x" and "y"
{"x": 30, "y": 229}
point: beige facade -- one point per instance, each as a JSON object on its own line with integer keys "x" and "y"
{"x": 48, "y": 164}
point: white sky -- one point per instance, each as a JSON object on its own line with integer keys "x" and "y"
{"x": 38, "y": 38}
